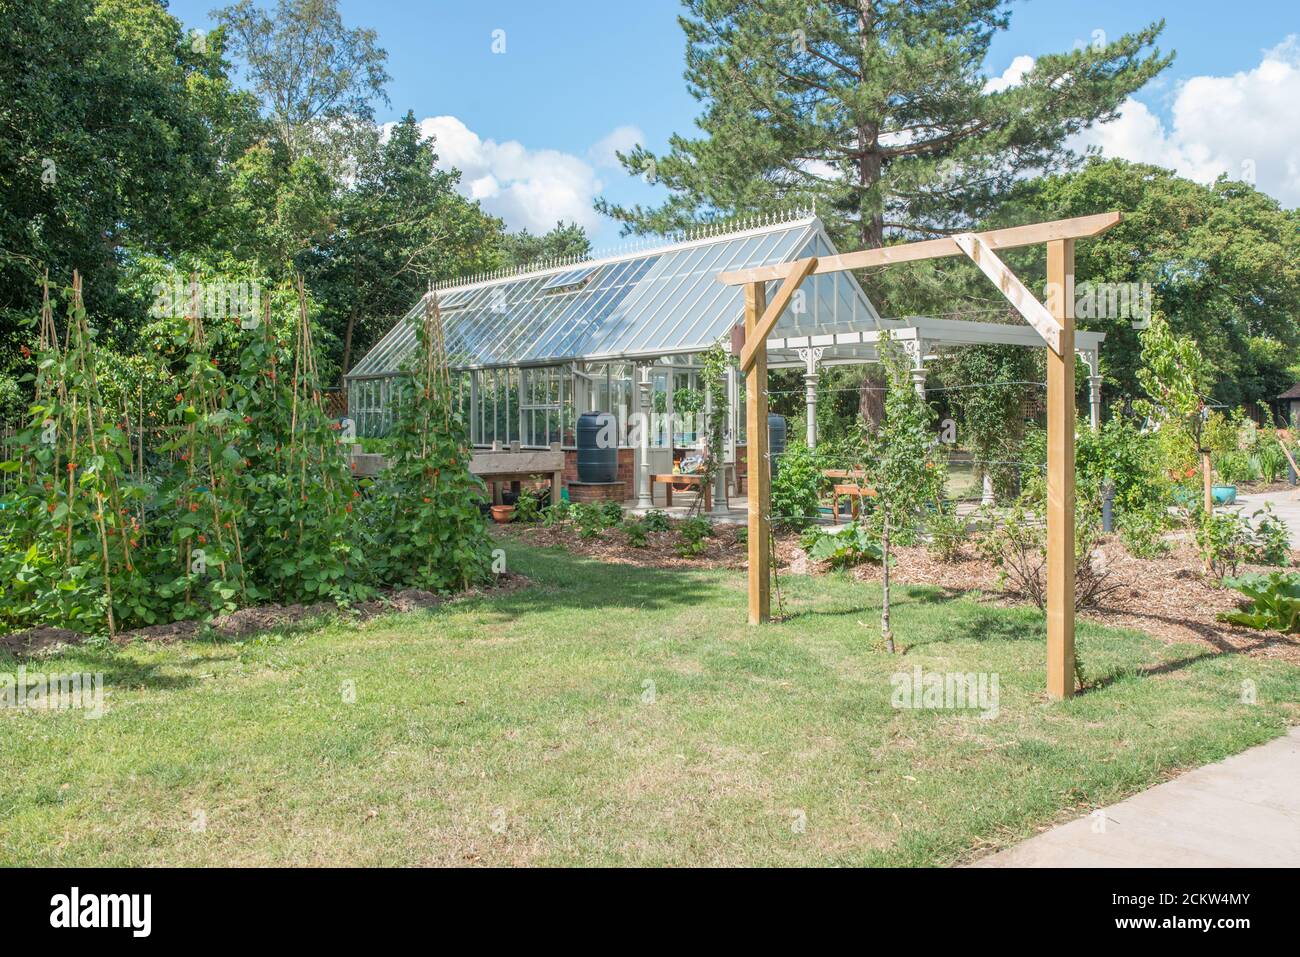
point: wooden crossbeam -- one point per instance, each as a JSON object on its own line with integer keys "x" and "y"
{"x": 1079, "y": 227}
{"x": 794, "y": 274}
{"x": 1026, "y": 304}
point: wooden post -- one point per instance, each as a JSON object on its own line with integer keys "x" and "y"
{"x": 1207, "y": 480}
{"x": 760, "y": 469}
{"x": 1060, "y": 474}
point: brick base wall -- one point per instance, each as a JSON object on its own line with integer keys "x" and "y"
{"x": 624, "y": 471}
{"x": 603, "y": 492}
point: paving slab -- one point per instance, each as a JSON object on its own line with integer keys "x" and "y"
{"x": 1243, "y": 811}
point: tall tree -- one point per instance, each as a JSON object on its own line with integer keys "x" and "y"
{"x": 879, "y": 110}
{"x": 317, "y": 79}
{"x": 1222, "y": 262}
{"x": 566, "y": 240}
{"x": 109, "y": 123}
{"x": 401, "y": 225}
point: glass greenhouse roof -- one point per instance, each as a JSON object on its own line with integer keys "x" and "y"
{"x": 643, "y": 304}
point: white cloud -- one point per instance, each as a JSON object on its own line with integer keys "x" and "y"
{"x": 621, "y": 139}
{"x": 1246, "y": 125}
{"x": 529, "y": 189}
{"x": 1011, "y": 76}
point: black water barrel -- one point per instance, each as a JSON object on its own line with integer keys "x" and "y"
{"x": 597, "y": 464}
{"x": 775, "y": 439}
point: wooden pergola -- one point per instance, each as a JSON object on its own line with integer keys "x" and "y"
{"x": 1054, "y": 322}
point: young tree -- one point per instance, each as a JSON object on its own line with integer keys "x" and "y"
{"x": 900, "y": 464}
{"x": 877, "y": 109}
{"x": 1176, "y": 376}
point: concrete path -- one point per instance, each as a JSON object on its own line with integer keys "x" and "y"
{"x": 1241, "y": 812}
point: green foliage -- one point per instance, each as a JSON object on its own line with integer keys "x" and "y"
{"x": 1222, "y": 262}
{"x": 900, "y": 459}
{"x": 1177, "y": 379}
{"x": 852, "y": 546}
{"x": 1015, "y": 543}
{"x": 820, "y": 77}
{"x": 1275, "y": 601}
{"x": 656, "y": 520}
{"x": 797, "y": 488}
{"x": 1142, "y": 530}
{"x": 557, "y": 513}
{"x": 427, "y": 518}
{"x": 989, "y": 413}
{"x": 1225, "y": 540}
{"x": 1272, "y": 538}
{"x": 946, "y": 532}
{"x": 636, "y": 534}
{"x": 588, "y": 519}
{"x": 528, "y": 507}
{"x": 611, "y": 513}
{"x": 692, "y": 534}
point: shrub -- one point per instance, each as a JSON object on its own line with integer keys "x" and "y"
{"x": 557, "y": 513}
{"x": 1017, "y": 547}
{"x": 1142, "y": 531}
{"x": 528, "y": 507}
{"x": 1235, "y": 467}
{"x": 1275, "y": 601}
{"x": 587, "y": 519}
{"x": 656, "y": 520}
{"x": 1225, "y": 540}
{"x": 612, "y": 513}
{"x": 947, "y": 532}
{"x": 636, "y": 534}
{"x": 1272, "y": 538}
{"x": 693, "y": 533}
{"x": 796, "y": 490}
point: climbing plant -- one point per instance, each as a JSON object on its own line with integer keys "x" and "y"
{"x": 432, "y": 532}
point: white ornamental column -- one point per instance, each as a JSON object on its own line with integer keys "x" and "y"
{"x": 810, "y": 356}
{"x": 1094, "y": 389}
{"x": 644, "y": 499}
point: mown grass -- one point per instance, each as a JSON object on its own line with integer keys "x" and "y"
{"x": 609, "y": 715}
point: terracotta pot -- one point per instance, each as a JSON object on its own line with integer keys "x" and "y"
{"x": 501, "y": 514}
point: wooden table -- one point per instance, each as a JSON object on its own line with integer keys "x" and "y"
{"x": 854, "y": 491}
{"x": 668, "y": 480}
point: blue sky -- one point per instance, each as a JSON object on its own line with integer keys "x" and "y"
{"x": 533, "y": 126}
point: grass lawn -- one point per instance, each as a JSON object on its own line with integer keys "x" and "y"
{"x": 609, "y": 715}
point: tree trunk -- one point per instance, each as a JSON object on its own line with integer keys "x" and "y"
{"x": 885, "y": 632}
{"x": 347, "y": 344}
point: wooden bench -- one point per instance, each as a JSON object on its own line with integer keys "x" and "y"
{"x": 668, "y": 480}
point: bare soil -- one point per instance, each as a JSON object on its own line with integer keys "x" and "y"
{"x": 246, "y": 622}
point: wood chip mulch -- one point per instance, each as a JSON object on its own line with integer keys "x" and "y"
{"x": 1168, "y": 598}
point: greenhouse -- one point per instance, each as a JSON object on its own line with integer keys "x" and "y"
{"x": 536, "y": 348}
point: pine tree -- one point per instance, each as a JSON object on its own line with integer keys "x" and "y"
{"x": 879, "y": 110}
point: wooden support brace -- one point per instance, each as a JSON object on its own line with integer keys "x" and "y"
{"x": 1035, "y": 313}
{"x": 756, "y": 338}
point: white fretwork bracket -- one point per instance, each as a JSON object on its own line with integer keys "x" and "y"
{"x": 1035, "y": 313}
{"x": 811, "y": 355}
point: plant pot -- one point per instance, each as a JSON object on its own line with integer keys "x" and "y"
{"x": 1224, "y": 494}
{"x": 501, "y": 514}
